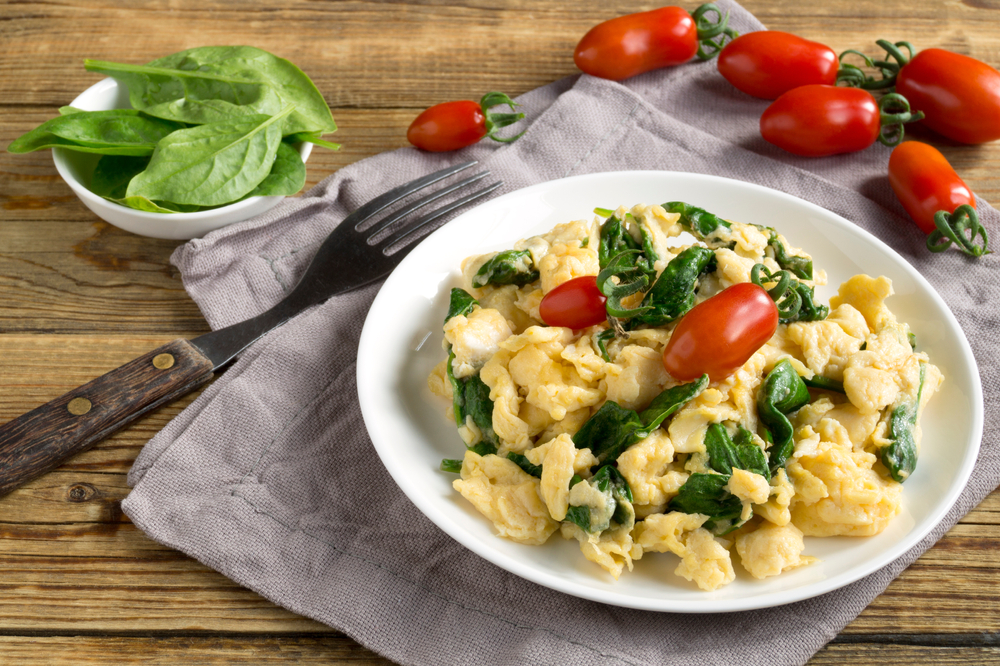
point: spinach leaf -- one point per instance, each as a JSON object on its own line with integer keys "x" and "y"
{"x": 799, "y": 266}
{"x": 311, "y": 137}
{"x": 781, "y": 393}
{"x": 212, "y": 84}
{"x": 602, "y": 342}
{"x": 609, "y": 431}
{"x": 698, "y": 221}
{"x": 507, "y": 267}
{"x": 116, "y": 132}
{"x": 672, "y": 295}
{"x": 900, "y": 457}
{"x": 703, "y": 224}
{"x": 113, "y": 173}
{"x": 525, "y": 464}
{"x": 451, "y": 465}
{"x": 461, "y": 303}
{"x": 706, "y": 494}
{"x": 615, "y": 505}
{"x": 615, "y": 240}
{"x": 287, "y": 175}
{"x": 752, "y": 458}
{"x": 580, "y": 516}
{"x": 211, "y": 165}
{"x": 612, "y": 429}
{"x": 667, "y": 402}
{"x": 142, "y": 203}
{"x": 471, "y": 398}
{"x": 724, "y": 454}
{"x": 825, "y": 384}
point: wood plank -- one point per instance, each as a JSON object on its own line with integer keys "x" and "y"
{"x": 47, "y": 568}
{"x": 334, "y": 648}
{"x": 878, "y": 654}
{"x": 153, "y": 589}
{"x": 35, "y": 369}
{"x": 80, "y": 297}
{"x": 69, "y": 527}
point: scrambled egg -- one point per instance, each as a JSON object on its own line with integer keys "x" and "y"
{"x": 546, "y": 382}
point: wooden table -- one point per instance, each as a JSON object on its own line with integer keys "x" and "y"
{"x": 78, "y": 582}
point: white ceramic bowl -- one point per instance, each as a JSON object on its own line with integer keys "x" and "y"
{"x": 76, "y": 169}
{"x": 401, "y": 343}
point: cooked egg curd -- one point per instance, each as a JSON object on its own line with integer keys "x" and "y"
{"x": 583, "y": 432}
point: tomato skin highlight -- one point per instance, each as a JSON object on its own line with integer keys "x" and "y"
{"x": 576, "y": 304}
{"x": 924, "y": 183}
{"x": 959, "y": 95}
{"x": 448, "y": 126}
{"x": 720, "y": 334}
{"x": 820, "y": 120}
{"x": 769, "y": 63}
{"x": 629, "y": 45}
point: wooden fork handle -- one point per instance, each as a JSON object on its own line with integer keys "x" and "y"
{"x": 37, "y": 442}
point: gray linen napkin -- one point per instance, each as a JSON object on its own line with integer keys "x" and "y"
{"x": 269, "y": 476}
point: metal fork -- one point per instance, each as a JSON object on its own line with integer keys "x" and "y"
{"x": 358, "y": 252}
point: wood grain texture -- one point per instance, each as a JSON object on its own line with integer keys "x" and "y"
{"x": 78, "y": 297}
{"x": 38, "y": 441}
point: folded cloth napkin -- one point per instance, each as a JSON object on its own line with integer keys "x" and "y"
{"x": 269, "y": 476}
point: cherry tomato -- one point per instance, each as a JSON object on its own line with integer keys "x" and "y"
{"x": 925, "y": 183}
{"x": 576, "y": 303}
{"x": 454, "y": 125}
{"x": 637, "y": 43}
{"x": 719, "y": 335}
{"x": 769, "y": 63}
{"x": 959, "y": 95}
{"x": 819, "y": 120}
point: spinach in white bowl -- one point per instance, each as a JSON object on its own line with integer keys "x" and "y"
{"x": 208, "y": 127}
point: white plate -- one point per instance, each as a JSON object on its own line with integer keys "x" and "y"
{"x": 401, "y": 343}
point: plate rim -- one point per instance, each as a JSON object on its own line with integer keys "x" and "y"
{"x": 706, "y": 605}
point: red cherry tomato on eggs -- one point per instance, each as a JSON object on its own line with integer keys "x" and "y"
{"x": 924, "y": 182}
{"x": 720, "y": 334}
{"x": 454, "y": 125}
{"x": 959, "y": 95}
{"x": 637, "y": 43}
{"x": 576, "y": 303}
{"x": 769, "y": 63}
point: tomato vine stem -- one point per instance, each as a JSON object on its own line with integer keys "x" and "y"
{"x": 894, "y": 112}
{"x": 712, "y": 34}
{"x": 853, "y": 76}
{"x": 953, "y": 228}
{"x": 495, "y": 121}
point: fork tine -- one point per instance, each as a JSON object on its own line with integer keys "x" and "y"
{"x": 392, "y": 196}
{"x": 420, "y": 203}
{"x": 431, "y": 216}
